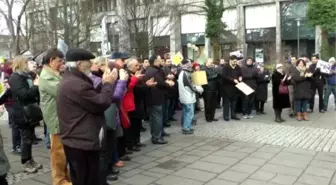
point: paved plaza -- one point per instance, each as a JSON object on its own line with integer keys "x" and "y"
{"x": 248, "y": 152}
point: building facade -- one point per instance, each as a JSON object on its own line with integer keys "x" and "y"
{"x": 266, "y": 30}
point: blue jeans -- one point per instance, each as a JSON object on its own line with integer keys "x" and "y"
{"x": 47, "y": 136}
{"x": 187, "y": 115}
{"x": 156, "y": 121}
{"x": 301, "y": 105}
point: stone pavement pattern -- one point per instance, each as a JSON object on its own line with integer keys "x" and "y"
{"x": 248, "y": 152}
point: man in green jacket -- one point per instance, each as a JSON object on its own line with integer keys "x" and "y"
{"x": 48, "y": 84}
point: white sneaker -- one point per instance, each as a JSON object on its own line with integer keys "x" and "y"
{"x": 250, "y": 117}
{"x": 245, "y": 117}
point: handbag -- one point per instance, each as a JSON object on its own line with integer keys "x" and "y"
{"x": 283, "y": 89}
{"x": 32, "y": 113}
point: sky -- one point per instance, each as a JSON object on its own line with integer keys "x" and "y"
{"x": 16, "y": 11}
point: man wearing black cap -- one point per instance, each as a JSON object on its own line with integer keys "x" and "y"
{"x": 119, "y": 58}
{"x": 156, "y": 98}
{"x": 80, "y": 111}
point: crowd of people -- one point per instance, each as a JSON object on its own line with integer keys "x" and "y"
{"x": 94, "y": 108}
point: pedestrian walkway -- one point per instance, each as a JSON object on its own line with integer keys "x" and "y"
{"x": 247, "y": 152}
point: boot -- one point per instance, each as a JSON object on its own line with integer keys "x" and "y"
{"x": 305, "y": 116}
{"x": 277, "y": 116}
{"x": 299, "y": 116}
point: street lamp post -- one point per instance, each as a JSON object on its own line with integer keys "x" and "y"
{"x": 298, "y": 36}
{"x": 113, "y": 39}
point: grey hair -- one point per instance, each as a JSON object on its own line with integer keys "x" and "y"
{"x": 129, "y": 62}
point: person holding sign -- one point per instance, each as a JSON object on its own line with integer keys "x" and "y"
{"x": 331, "y": 84}
{"x": 302, "y": 86}
{"x": 231, "y": 76}
{"x": 317, "y": 83}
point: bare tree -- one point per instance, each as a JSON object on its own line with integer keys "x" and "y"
{"x": 70, "y": 20}
{"x": 13, "y": 21}
{"x": 143, "y": 21}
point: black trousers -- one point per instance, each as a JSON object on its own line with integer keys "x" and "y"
{"x": 84, "y": 166}
{"x": 106, "y": 154}
{"x": 229, "y": 106}
{"x": 248, "y": 102}
{"x": 3, "y": 180}
{"x": 210, "y": 101}
{"x": 319, "y": 89}
{"x": 135, "y": 130}
{"x": 259, "y": 105}
{"x": 27, "y": 138}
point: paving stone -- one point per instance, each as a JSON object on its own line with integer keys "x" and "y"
{"x": 131, "y": 172}
{"x": 190, "y": 148}
{"x": 220, "y": 182}
{"x": 225, "y": 153}
{"x": 323, "y": 164}
{"x": 247, "y": 150}
{"x": 313, "y": 180}
{"x": 200, "y": 153}
{"x": 143, "y": 159}
{"x": 45, "y": 178}
{"x": 29, "y": 182}
{"x": 292, "y": 156}
{"x": 255, "y": 182}
{"x": 233, "y": 176}
{"x": 211, "y": 167}
{"x": 284, "y": 179}
{"x": 161, "y": 170}
{"x": 164, "y": 159}
{"x": 175, "y": 180}
{"x": 300, "y": 151}
{"x": 262, "y": 155}
{"x": 326, "y": 156}
{"x": 139, "y": 180}
{"x": 290, "y": 163}
{"x": 232, "y": 147}
{"x": 153, "y": 174}
{"x": 172, "y": 165}
{"x": 195, "y": 174}
{"x": 178, "y": 153}
{"x": 321, "y": 172}
{"x": 247, "y": 144}
{"x": 171, "y": 148}
{"x": 270, "y": 149}
{"x": 282, "y": 169}
{"x": 246, "y": 168}
{"x": 129, "y": 165}
{"x": 263, "y": 175}
{"x": 220, "y": 160}
{"x": 158, "y": 153}
{"x": 334, "y": 179}
{"x": 209, "y": 148}
{"x": 254, "y": 161}
{"x": 187, "y": 158}
{"x": 182, "y": 144}
{"x": 148, "y": 165}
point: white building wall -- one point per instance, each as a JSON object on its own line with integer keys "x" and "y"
{"x": 261, "y": 16}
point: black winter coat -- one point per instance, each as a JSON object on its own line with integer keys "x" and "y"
{"x": 250, "y": 76}
{"x": 280, "y": 101}
{"x": 318, "y": 79}
{"x": 156, "y": 94}
{"x": 212, "y": 77}
{"x": 23, "y": 95}
{"x": 262, "y": 86}
{"x": 302, "y": 86}
{"x": 229, "y": 74}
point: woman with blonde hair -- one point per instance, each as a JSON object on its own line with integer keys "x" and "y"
{"x": 27, "y": 113}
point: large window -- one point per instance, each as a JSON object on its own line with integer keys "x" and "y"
{"x": 291, "y": 13}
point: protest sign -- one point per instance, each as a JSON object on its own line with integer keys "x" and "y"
{"x": 247, "y": 90}
{"x": 177, "y": 58}
{"x": 324, "y": 66}
{"x": 199, "y": 78}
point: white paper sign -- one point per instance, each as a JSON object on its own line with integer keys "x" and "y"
{"x": 247, "y": 90}
{"x": 61, "y": 45}
{"x": 324, "y": 66}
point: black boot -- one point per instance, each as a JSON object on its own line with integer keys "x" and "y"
{"x": 277, "y": 116}
{"x": 281, "y": 119}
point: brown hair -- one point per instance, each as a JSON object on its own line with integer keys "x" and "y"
{"x": 299, "y": 61}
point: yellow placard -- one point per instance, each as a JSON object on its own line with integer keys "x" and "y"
{"x": 177, "y": 58}
{"x": 199, "y": 78}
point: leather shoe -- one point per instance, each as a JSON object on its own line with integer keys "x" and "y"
{"x": 159, "y": 142}
{"x": 214, "y": 119}
{"x": 322, "y": 111}
{"x": 136, "y": 149}
{"x": 166, "y": 125}
{"x": 140, "y": 145}
{"x": 165, "y": 134}
{"x": 114, "y": 171}
{"x": 112, "y": 178}
{"x": 226, "y": 119}
{"x": 235, "y": 118}
{"x": 125, "y": 158}
{"x": 129, "y": 152}
{"x": 172, "y": 119}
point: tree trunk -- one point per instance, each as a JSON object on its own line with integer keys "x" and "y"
{"x": 215, "y": 49}
{"x": 325, "y": 48}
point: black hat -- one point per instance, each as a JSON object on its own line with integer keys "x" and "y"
{"x": 119, "y": 55}
{"x": 152, "y": 59}
{"x": 78, "y": 54}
